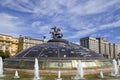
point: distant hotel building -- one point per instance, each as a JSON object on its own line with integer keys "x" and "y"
{"x": 8, "y": 43}
{"x": 27, "y": 42}
{"x": 101, "y": 46}
{"x": 15, "y": 45}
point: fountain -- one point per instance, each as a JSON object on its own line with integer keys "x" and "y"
{"x": 59, "y": 76}
{"x": 54, "y": 51}
{"x": 36, "y": 70}
{"x": 115, "y": 70}
{"x": 101, "y": 75}
{"x": 119, "y": 62}
{"x": 16, "y": 75}
{"x": 1, "y": 67}
{"x": 80, "y": 72}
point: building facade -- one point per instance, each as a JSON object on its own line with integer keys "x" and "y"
{"x": 90, "y": 43}
{"x": 101, "y": 46}
{"x": 115, "y": 50}
{"x": 27, "y": 42}
{"x": 104, "y": 47}
{"x": 8, "y": 43}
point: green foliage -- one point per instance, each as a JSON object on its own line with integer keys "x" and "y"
{"x": 5, "y": 54}
{"x": 1, "y": 53}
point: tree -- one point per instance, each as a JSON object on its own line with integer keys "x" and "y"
{"x": 1, "y": 54}
{"x": 7, "y": 54}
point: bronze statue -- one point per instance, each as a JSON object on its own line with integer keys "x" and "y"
{"x": 56, "y": 33}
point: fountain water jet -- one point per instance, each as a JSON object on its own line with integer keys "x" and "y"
{"x": 1, "y": 67}
{"x": 59, "y": 76}
{"x": 16, "y": 75}
{"x": 36, "y": 70}
{"x": 115, "y": 71}
{"x": 80, "y": 72}
{"x": 101, "y": 75}
{"x": 119, "y": 62}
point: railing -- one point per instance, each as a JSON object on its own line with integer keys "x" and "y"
{"x": 58, "y": 58}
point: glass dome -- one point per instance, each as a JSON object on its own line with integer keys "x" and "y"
{"x": 56, "y": 53}
{"x": 58, "y": 48}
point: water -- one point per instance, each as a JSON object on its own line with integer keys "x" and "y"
{"x": 1, "y": 67}
{"x": 26, "y": 76}
{"x": 115, "y": 70}
{"x": 119, "y": 62}
{"x": 80, "y": 72}
{"x": 36, "y": 70}
{"x": 16, "y": 75}
{"x": 59, "y": 76}
{"x": 101, "y": 75}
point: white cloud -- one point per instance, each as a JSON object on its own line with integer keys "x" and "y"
{"x": 10, "y": 24}
{"x": 7, "y": 21}
{"x": 118, "y": 37}
{"x": 52, "y": 7}
{"x": 18, "y": 5}
{"x": 81, "y": 33}
{"x": 43, "y": 29}
{"x": 40, "y": 28}
{"x": 110, "y": 25}
{"x": 96, "y": 35}
{"x": 36, "y": 24}
{"x": 68, "y": 13}
{"x": 62, "y": 11}
{"x": 105, "y": 35}
{"x": 94, "y": 6}
{"x": 95, "y": 29}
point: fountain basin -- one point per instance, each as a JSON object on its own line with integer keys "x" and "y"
{"x": 77, "y": 78}
{"x": 37, "y": 79}
{"x": 58, "y": 78}
{"x": 2, "y": 76}
{"x": 64, "y": 71}
{"x": 16, "y": 77}
{"x": 29, "y": 76}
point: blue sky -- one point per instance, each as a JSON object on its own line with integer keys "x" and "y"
{"x": 76, "y": 18}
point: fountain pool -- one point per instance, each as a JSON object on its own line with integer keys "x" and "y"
{"x": 26, "y": 76}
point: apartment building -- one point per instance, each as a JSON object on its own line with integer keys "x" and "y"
{"x": 8, "y": 43}
{"x": 27, "y": 42}
{"x": 101, "y": 46}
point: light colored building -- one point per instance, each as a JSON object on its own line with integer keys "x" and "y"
{"x": 104, "y": 47}
{"x": 111, "y": 50}
{"x": 14, "y": 46}
{"x": 8, "y": 43}
{"x": 101, "y": 46}
{"x": 27, "y": 42}
{"x": 115, "y": 50}
{"x": 90, "y": 43}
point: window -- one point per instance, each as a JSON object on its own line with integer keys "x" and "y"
{"x": 0, "y": 45}
{"x": 71, "y": 51}
{"x": 62, "y": 49}
{"x": 7, "y": 38}
{"x": 1, "y": 37}
{"x": 7, "y": 48}
{"x": 50, "y": 51}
